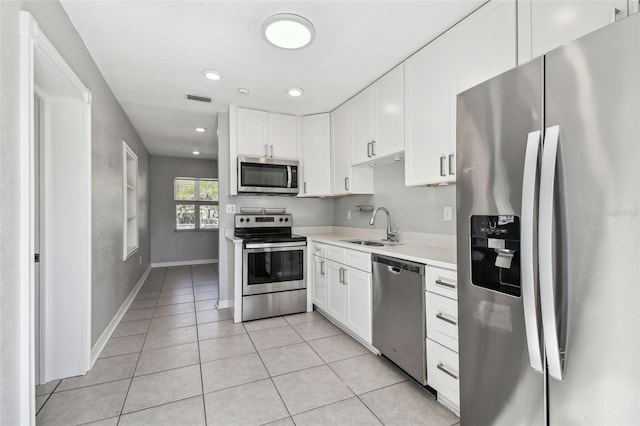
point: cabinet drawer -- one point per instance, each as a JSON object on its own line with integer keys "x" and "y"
{"x": 335, "y": 253}
{"x": 443, "y": 282}
{"x": 358, "y": 259}
{"x": 442, "y": 320}
{"x": 318, "y": 249}
{"x": 442, "y": 372}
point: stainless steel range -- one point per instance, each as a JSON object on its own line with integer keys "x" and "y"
{"x": 273, "y": 266}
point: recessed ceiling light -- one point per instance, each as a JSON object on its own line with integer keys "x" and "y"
{"x": 243, "y": 91}
{"x": 196, "y": 152}
{"x": 212, "y": 75}
{"x": 200, "y": 129}
{"x": 295, "y": 91}
{"x": 288, "y": 31}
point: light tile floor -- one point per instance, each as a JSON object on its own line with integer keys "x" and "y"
{"x": 173, "y": 360}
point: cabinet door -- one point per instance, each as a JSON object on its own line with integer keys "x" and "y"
{"x": 428, "y": 113}
{"x": 484, "y": 44}
{"x": 337, "y": 298}
{"x": 341, "y": 148}
{"x": 252, "y": 133}
{"x": 554, "y": 23}
{"x": 363, "y": 126}
{"x": 282, "y": 136}
{"x": 359, "y": 303}
{"x": 319, "y": 282}
{"x": 316, "y": 155}
{"x": 389, "y": 119}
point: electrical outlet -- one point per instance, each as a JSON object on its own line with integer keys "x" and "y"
{"x": 348, "y": 214}
{"x": 448, "y": 214}
{"x": 231, "y": 208}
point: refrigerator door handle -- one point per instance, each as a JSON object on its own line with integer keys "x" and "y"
{"x": 550, "y": 322}
{"x": 528, "y": 264}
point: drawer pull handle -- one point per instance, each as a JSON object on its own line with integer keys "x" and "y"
{"x": 447, "y": 372}
{"x": 445, "y": 284}
{"x": 445, "y": 319}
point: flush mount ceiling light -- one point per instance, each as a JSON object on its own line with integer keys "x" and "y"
{"x": 295, "y": 91}
{"x": 243, "y": 91}
{"x": 200, "y": 129}
{"x": 196, "y": 152}
{"x": 288, "y": 31}
{"x": 212, "y": 75}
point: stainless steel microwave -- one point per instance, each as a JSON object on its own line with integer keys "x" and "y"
{"x": 258, "y": 175}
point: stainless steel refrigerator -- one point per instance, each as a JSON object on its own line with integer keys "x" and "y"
{"x": 548, "y": 229}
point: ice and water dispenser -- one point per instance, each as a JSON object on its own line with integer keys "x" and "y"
{"x": 495, "y": 253}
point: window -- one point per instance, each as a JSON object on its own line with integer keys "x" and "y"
{"x": 196, "y": 202}
{"x": 130, "y": 196}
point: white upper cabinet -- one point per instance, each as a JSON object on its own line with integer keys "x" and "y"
{"x": 484, "y": 44}
{"x": 428, "y": 100}
{"x": 263, "y": 134}
{"x": 544, "y": 25}
{"x": 316, "y": 156}
{"x": 378, "y": 118}
{"x": 282, "y": 136}
{"x": 252, "y": 131}
{"x": 346, "y": 179}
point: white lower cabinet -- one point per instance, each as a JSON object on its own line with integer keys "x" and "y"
{"x": 341, "y": 287}
{"x": 441, "y": 300}
{"x": 320, "y": 289}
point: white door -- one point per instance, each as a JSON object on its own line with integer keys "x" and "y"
{"x": 319, "y": 283}
{"x": 316, "y": 155}
{"x": 341, "y": 138}
{"x": 428, "y": 113}
{"x": 359, "y": 302}
{"x": 282, "y": 136}
{"x": 363, "y": 107}
{"x": 337, "y": 297}
{"x": 389, "y": 119}
{"x": 37, "y": 222}
{"x": 252, "y": 131}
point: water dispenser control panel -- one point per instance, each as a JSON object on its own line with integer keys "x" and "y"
{"x": 495, "y": 253}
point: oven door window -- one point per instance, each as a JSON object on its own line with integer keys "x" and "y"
{"x": 275, "y": 266}
{"x": 263, "y": 175}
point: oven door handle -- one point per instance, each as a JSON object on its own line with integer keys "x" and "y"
{"x": 270, "y": 246}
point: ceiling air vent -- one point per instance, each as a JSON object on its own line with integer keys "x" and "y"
{"x": 199, "y": 98}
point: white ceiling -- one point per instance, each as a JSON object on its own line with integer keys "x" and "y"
{"x": 152, "y": 53}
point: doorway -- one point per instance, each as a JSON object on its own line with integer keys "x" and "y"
{"x": 56, "y": 163}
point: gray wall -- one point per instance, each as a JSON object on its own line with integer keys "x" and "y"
{"x": 168, "y": 245}
{"x": 305, "y": 211}
{"x": 112, "y": 279}
{"x": 414, "y": 209}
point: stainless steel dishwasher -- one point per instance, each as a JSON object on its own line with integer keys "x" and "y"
{"x": 399, "y": 313}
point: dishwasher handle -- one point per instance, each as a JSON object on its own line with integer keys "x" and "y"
{"x": 393, "y": 269}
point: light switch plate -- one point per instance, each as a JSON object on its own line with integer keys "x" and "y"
{"x": 448, "y": 214}
{"x": 348, "y": 214}
{"x": 231, "y": 208}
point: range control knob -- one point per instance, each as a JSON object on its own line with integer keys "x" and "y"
{"x": 286, "y": 219}
{"x": 241, "y": 219}
{"x": 281, "y": 219}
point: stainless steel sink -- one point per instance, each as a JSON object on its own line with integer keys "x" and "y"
{"x": 373, "y": 243}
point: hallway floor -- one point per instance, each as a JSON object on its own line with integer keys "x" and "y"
{"x": 177, "y": 360}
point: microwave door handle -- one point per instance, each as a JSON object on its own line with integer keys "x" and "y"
{"x": 288, "y": 176}
{"x": 528, "y": 264}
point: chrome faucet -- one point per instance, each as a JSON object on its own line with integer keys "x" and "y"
{"x": 391, "y": 235}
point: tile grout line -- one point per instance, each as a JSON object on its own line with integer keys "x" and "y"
{"x": 204, "y": 405}
{"x": 137, "y": 362}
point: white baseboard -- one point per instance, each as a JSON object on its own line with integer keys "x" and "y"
{"x": 106, "y": 334}
{"x": 223, "y": 304}
{"x": 183, "y": 263}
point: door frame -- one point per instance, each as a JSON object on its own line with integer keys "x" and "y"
{"x": 33, "y": 43}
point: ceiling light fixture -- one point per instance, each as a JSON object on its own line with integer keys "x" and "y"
{"x": 200, "y": 129}
{"x": 295, "y": 92}
{"x": 212, "y": 75}
{"x": 288, "y": 31}
{"x": 196, "y": 152}
{"x": 243, "y": 91}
